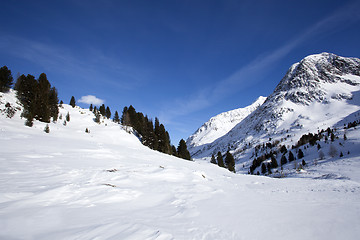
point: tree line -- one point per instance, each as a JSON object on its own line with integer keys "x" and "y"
{"x": 153, "y": 135}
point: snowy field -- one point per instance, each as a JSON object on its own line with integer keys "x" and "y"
{"x": 69, "y": 184}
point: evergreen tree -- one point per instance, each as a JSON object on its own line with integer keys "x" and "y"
{"x": 6, "y": 79}
{"x": 42, "y": 106}
{"x": 125, "y": 119}
{"x": 318, "y": 146}
{"x": 72, "y": 102}
{"x": 230, "y": 161}
{"x": 300, "y": 154}
{"x": 102, "y": 110}
{"x": 283, "y": 160}
{"x": 108, "y": 112}
{"x": 91, "y": 108}
{"x": 67, "y": 117}
{"x": 273, "y": 162}
{"x": 182, "y": 150}
{"x": 27, "y": 88}
{"x": 53, "y": 104}
{"x": 283, "y": 149}
{"x": 291, "y": 156}
{"x": 332, "y": 137}
{"x": 47, "y": 128}
{"x": 29, "y": 120}
{"x": 213, "y": 160}
{"x": 220, "y": 160}
{"x": 116, "y": 117}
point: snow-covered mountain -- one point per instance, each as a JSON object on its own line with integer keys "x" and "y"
{"x": 104, "y": 184}
{"x": 221, "y": 124}
{"x": 318, "y": 92}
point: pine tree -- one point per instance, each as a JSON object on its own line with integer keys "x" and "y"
{"x": 116, "y": 117}
{"x": 72, "y": 102}
{"x": 213, "y": 160}
{"x": 182, "y": 150}
{"x": 332, "y": 137}
{"x": 29, "y": 120}
{"x": 108, "y": 113}
{"x": 53, "y": 104}
{"x": 42, "y": 99}
{"x": 91, "y": 108}
{"x": 47, "y": 128}
{"x": 303, "y": 162}
{"x": 6, "y": 79}
{"x": 291, "y": 156}
{"x": 230, "y": 161}
{"x": 67, "y": 117}
{"x": 300, "y": 154}
{"x": 27, "y": 88}
{"x": 283, "y": 149}
{"x": 283, "y": 160}
{"x": 220, "y": 160}
{"x": 273, "y": 162}
{"x": 102, "y": 110}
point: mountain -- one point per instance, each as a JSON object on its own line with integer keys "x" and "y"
{"x": 221, "y": 124}
{"x": 320, "y": 91}
{"x": 104, "y": 184}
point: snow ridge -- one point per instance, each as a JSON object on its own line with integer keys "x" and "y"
{"x": 221, "y": 124}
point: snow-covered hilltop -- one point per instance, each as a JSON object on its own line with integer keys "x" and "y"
{"x": 318, "y": 92}
{"x": 221, "y": 124}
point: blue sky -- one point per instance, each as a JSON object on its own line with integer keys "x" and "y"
{"x": 182, "y": 61}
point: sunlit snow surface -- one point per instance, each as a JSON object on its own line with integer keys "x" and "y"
{"x": 69, "y": 184}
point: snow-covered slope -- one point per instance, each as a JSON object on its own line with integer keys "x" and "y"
{"x": 219, "y": 125}
{"x": 316, "y": 93}
{"x": 68, "y": 184}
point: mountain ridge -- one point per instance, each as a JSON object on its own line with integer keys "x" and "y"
{"x": 220, "y": 124}
{"x": 315, "y": 93}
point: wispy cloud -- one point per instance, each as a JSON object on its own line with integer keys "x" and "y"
{"x": 256, "y": 69}
{"x": 91, "y": 99}
{"x": 90, "y": 63}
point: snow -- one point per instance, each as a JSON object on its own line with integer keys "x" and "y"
{"x": 221, "y": 124}
{"x": 105, "y": 184}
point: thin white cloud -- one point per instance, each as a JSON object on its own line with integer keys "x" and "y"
{"x": 62, "y": 59}
{"x": 256, "y": 69}
{"x": 91, "y": 99}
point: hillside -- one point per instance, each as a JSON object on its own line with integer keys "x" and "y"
{"x": 68, "y": 184}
